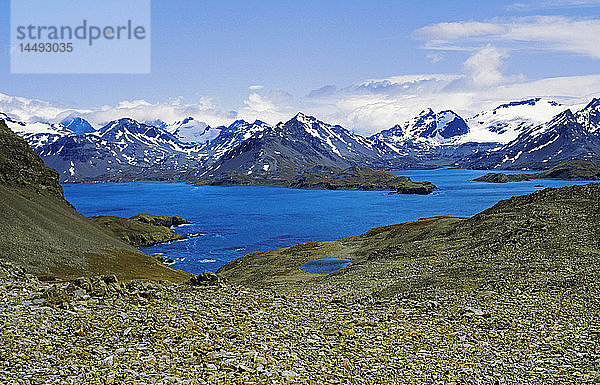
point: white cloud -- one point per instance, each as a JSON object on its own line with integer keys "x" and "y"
{"x": 256, "y": 87}
{"x": 369, "y": 113}
{"x": 204, "y": 110}
{"x": 365, "y": 107}
{"x": 553, "y": 33}
{"x": 554, "y": 4}
{"x": 459, "y": 30}
{"x": 31, "y": 110}
{"x": 274, "y": 107}
{"x": 435, "y": 57}
{"x": 483, "y": 67}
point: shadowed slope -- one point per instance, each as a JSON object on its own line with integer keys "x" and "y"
{"x": 43, "y": 233}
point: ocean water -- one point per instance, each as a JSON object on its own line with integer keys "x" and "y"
{"x": 233, "y": 221}
{"x": 324, "y": 265}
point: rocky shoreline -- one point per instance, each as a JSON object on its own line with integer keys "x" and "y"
{"x": 422, "y": 302}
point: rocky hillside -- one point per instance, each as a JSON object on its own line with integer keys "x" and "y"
{"x": 22, "y": 168}
{"x": 44, "y": 234}
{"x": 517, "y": 240}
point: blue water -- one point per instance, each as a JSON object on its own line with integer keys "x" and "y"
{"x": 235, "y": 221}
{"x": 325, "y": 265}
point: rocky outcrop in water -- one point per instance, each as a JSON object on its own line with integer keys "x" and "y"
{"x": 142, "y": 230}
{"x": 162, "y": 220}
{"x": 358, "y": 178}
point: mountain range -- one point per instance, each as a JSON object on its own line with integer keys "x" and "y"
{"x": 528, "y": 134}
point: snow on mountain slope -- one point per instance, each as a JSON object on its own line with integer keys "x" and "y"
{"x": 128, "y": 132}
{"x": 567, "y": 136}
{"x": 504, "y": 123}
{"x": 427, "y": 127}
{"x": 123, "y": 149}
{"x": 280, "y": 151}
{"x": 589, "y": 117}
{"x": 232, "y": 136}
{"x": 339, "y": 140}
{"x": 36, "y": 134}
{"x": 190, "y": 130}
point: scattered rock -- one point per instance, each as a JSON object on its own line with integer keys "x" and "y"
{"x": 110, "y": 279}
{"x": 475, "y": 312}
{"x": 207, "y": 278}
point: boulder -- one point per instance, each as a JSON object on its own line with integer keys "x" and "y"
{"x": 207, "y": 278}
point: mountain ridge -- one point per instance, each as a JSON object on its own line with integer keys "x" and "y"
{"x": 125, "y": 149}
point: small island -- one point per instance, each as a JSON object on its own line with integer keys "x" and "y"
{"x": 322, "y": 177}
{"x": 358, "y": 178}
{"x": 569, "y": 170}
{"x": 142, "y": 230}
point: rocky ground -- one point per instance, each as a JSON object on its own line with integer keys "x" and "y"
{"x": 104, "y": 331}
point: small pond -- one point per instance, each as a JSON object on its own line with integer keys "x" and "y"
{"x": 324, "y": 265}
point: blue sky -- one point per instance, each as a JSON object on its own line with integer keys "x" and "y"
{"x": 209, "y": 54}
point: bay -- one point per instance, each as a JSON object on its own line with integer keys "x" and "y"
{"x": 234, "y": 221}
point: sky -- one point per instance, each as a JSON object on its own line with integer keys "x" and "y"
{"x": 363, "y": 64}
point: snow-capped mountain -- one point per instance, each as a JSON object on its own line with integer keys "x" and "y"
{"x": 504, "y": 123}
{"x": 36, "y": 134}
{"x": 567, "y": 136}
{"x": 589, "y": 117}
{"x": 233, "y": 135}
{"x": 123, "y": 149}
{"x": 428, "y": 126}
{"x": 428, "y": 140}
{"x": 513, "y": 135}
{"x": 78, "y": 125}
{"x": 282, "y": 150}
{"x": 190, "y": 130}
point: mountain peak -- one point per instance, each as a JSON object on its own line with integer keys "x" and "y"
{"x": 260, "y": 123}
{"x": 127, "y": 121}
{"x": 426, "y": 112}
{"x": 187, "y": 120}
{"x": 237, "y": 123}
{"x": 530, "y": 102}
{"x": 594, "y": 104}
{"x": 78, "y": 125}
{"x": 302, "y": 117}
{"x": 566, "y": 114}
